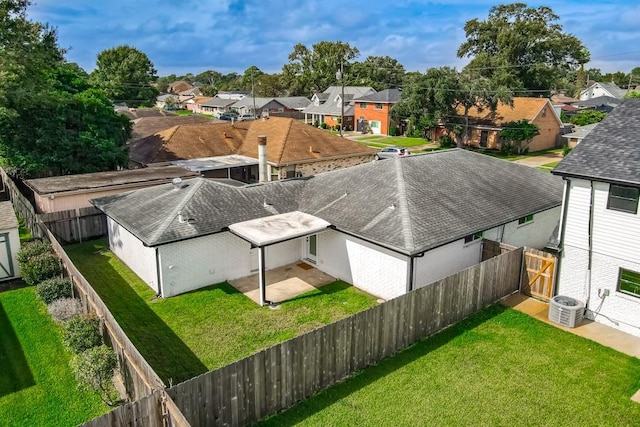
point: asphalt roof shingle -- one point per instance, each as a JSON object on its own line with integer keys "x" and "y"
{"x": 409, "y": 205}
{"x": 611, "y": 151}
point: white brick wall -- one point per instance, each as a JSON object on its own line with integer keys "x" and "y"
{"x": 141, "y": 259}
{"x": 446, "y": 260}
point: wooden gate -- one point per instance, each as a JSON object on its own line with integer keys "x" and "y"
{"x": 538, "y": 274}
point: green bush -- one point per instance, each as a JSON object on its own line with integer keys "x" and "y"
{"x": 93, "y": 368}
{"x": 323, "y": 125}
{"x": 40, "y": 267}
{"x": 31, "y": 249}
{"x": 52, "y": 289}
{"x": 81, "y": 333}
{"x": 446, "y": 141}
{"x": 566, "y": 150}
{"x": 393, "y": 130}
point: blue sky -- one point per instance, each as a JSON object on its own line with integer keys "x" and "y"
{"x": 231, "y": 35}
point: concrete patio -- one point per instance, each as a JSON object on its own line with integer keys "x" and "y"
{"x": 284, "y": 283}
{"x": 594, "y": 331}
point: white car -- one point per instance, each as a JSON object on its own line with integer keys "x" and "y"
{"x": 391, "y": 152}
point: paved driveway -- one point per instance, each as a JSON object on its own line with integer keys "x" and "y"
{"x": 540, "y": 160}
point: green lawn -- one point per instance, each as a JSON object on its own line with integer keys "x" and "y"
{"x": 497, "y": 368}
{"x": 548, "y": 166}
{"x": 514, "y": 157}
{"x": 189, "y": 334}
{"x": 23, "y": 231}
{"x": 36, "y": 386}
{"x": 385, "y": 141}
{"x": 182, "y": 112}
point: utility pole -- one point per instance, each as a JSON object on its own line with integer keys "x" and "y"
{"x": 340, "y": 76}
{"x": 253, "y": 94}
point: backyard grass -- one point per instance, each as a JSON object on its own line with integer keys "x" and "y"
{"x": 548, "y": 166}
{"x": 182, "y": 112}
{"x": 514, "y": 157}
{"x": 497, "y": 368}
{"x": 385, "y": 141}
{"x": 36, "y": 386}
{"x": 23, "y": 232}
{"x": 189, "y": 334}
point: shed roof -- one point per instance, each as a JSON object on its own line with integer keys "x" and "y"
{"x": 8, "y": 220}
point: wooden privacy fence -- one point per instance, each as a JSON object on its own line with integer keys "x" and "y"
{"x": 22, "y": 205}
{"x": 491, "y": 248}
{"x": 139, "y": 378}
{"x": 75, "y": 226}
{"x": 276, "y": 378}
{"x": 538, "y": 274}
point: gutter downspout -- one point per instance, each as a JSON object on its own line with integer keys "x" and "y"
{"x": 158, "y": 273}
{"x": 590, "y": 253}
{"x": 410, "y": 282}
{"x": 563, "y": 220}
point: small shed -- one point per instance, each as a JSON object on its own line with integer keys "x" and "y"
{"x": 9, "y": 242}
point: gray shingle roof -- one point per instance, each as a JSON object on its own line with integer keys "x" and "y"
{"x": 611, "y": 152}
{"x": 388, "y": 96}
{"x": 613, "y": 89}
{"x": 409, "y": 205}
{"x": 597, "y": 101}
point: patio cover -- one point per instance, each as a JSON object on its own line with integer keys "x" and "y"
{"x": 278, "y": 228}
{"x": 272, "y": 229}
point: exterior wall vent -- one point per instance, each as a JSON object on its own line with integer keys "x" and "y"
{"x": 566, "y": 311}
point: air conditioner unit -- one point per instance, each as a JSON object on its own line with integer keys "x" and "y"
{"x": 566, "y": 311}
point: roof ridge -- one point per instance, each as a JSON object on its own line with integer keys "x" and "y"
{"x": 176, "y": 210}
{"x": 286, "y": 139}
{"x": 403, "y": 205}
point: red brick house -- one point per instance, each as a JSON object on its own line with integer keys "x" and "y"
{"x": 373, "y": 111}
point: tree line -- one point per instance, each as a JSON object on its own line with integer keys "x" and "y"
{"x": 55, "y": 118}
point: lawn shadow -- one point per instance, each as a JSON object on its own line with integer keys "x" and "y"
{"x": 16, "y": 374}
{"x": 328, "y": 289}
{"x": 325, "y": 398}
{"x": 167, "y": 354}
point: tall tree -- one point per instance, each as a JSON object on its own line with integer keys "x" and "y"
{"x": 313, "y": 70}
{"x": 379, "y": 72}
{"x": 51, "y": 121}
{"x": 526, "y": 45}
{"x": 516, "y": 136}
{"x": 443, "y": 96}
{"x": 125, "y": 74}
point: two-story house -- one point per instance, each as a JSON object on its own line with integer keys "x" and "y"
{"x": 373, "y": 111}
{"x": 327, "y": 107}
{"x": 600, "y": 225}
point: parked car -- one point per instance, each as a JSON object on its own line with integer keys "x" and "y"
{"x": 245, "y": 117}
{"x": 391, "y": 152}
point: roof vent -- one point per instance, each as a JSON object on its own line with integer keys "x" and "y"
{"x": 566, "y": 311}
{"x": 177, "y": 183}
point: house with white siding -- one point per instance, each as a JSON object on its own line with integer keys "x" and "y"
{"x": 600, "y": 227}
{"x": 386, "y": 227}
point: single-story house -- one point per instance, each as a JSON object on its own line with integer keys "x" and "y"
{"x": 195, "y": 104}
{"x": 485, "y": 125}
{"x": 373, "y": 111}
{"x": 386, "y": 227}
{"x": 604, "y": 104}
{"x": 286, "y": 106}
{"x": 66, "y": 192}
{"x": 327, "y": 107}
{"x": 178, "y": 86}
{"x": 600, "y": 227}
{"x": 218, "y": 105}
{"x": 9, "y": 242}
{"x": 598, "y": 89}
{"x": 294, "y": 149}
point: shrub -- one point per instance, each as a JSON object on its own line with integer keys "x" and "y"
{"x": 64, "y": 309}
{"x": 566, "y": 150}
{"x": 323, "y": 125}
{"x": 52, "y": 289}
{"x": 40, "y": 267}
{"x": 446, "y": 141}
{"x": 393, "y": 130}
{"x": 93, "y": 368}
{"x": 31, "y": 249}
{"x": 81, "y": 333}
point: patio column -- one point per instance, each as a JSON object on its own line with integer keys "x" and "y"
{"x": 262, "y": 277}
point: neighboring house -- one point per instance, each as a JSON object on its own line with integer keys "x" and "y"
{"x": 166, "y": 100}
{"x": 485, "y": 125}
{"x": 146, "y": 126}
{"x": 66, "y": 192}
{"x": 189, "y": 94}
{"x": 195, "y": 104}
{"x": 386, "y": 227}
{"x": 604, "y": 104}
{"x": 327, "y": 107}
{"x": 602, "y": 89}
{"x": 373, "y": 111}
{"x": 9, "y": 242}
{"x": 600, "y": 229}
{"x": 178, "y": 86}
{"x": 221, "y": 103}
{"x": 265, "y": 107}
{"x": 293, "y": 149}
{"x": 574, "y": 138}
